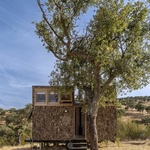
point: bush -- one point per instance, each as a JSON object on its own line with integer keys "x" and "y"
{"x": 131, "y": 131}
{"x": 134, "y": 131}
{"x": 120, "y": 113}
{"x": 148, "y": 131}
{"x": 147, "y": 109}
{"x": 6, "y": 136}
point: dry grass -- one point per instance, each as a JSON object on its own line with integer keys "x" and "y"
{"x": 131, "y": 145}
{"x": 134, "y": 115}
{"x": 25, "y": 147}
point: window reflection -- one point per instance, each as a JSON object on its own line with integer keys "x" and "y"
{"x": 40, "y": 97}
{"x": 53, "y": 97}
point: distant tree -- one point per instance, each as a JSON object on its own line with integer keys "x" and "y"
{"x": 130, "y": 103}
{"x": 112, "y": 49}
{"x": 16, "y": 121}
{"x": 140, "y": 107}
{"x": 1, "y": 109}
{"x": 120, "y": 112}
{"x": 145, "y": 120}
{"x": 12, "y": 110}
{"x": 147, "y": 109}
{"x": 2, "y": 112}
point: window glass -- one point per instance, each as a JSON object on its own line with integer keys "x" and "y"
{"x": 40, "y": 97}
{"x": 53, "y": 97}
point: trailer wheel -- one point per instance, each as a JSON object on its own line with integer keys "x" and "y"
{"x": 69, "y": 145}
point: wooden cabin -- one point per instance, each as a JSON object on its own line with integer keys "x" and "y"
{"x": 56, "y": 117}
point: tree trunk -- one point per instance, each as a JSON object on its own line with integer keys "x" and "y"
{"x": 92, "y": 115}
{"x": 92, "y": 96}
{"x": 93, "y": 133}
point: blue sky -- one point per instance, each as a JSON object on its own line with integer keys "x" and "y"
{"x": 23, "y": 60}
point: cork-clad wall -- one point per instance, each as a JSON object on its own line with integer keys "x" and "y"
{"x": 107, "y": 123}
{"x": 53, "y": 123}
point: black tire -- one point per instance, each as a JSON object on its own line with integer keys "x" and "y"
{"x": 69, "y": 145}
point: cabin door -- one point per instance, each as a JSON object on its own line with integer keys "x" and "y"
{"x": 79, "y": 122}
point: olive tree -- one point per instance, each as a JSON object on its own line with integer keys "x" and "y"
{"x": 112, "y": 49}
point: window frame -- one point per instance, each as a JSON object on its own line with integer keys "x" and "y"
{"x": 47, "y": 91}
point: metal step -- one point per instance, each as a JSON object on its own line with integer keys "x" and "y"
{"x": 79, "y": 146}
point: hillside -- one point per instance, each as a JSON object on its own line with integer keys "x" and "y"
{"x": 133, "y": 130}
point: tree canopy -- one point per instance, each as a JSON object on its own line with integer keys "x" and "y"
{"x": 113, "y": 50}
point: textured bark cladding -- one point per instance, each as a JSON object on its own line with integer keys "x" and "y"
{"x": 106, "y": 124}
{"x": 53, "y": 123}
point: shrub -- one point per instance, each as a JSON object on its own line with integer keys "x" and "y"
{"x": 120, "y": 112}
{"x": 147, "y": 109}
{"x": 134, "y": 131}
{"x": 131, "y": 131}
{"x": 148, "y": 131}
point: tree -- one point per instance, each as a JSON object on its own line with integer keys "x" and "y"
{"x": 112, "y": 50}
{"x": 17, "y": 122}
{"x": 140, "y": 107}
{"x": 147, "y": 109}
{"x": 130, "y": 103}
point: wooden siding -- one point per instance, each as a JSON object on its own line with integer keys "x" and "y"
{"x": 53, "y": 123}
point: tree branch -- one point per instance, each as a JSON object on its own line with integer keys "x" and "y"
{"x": 44, "y": 16}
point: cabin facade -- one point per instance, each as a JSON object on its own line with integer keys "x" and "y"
{"x": 57, "y": 117}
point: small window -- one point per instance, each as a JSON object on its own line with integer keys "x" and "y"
{"x": 40, "y": 97}
{"x": 65, "y": 98}
{"x": 53, "y": 97}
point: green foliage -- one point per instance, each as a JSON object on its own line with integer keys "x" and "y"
{"x": 120, "y": 113}
{"x": 130, "y": 104}
{"x": 2, "y": 112}
{"x": 147, "y": 109}
{"x": 145, "y": 121}
{"x": 118, "y": 141}
{"x": 140, "y": 107}
{"x": 17, "y": 128}
{"x": 148, "y": 131}
{"x": 132, "y": 131}
{"x": 112, "y": 50}
{"x": 136, "y": 98}
{"x": 115, "y": 43}
{"x": 6, "y": 136}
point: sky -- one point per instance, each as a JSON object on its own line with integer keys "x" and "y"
{"x": 24, "y": 62}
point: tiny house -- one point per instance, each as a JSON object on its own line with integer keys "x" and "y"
{"x": 57, "y": 117}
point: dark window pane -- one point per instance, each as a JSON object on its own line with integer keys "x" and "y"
{"x": 40, "y": 97}
{"x": 53, "y": 97}
{"x": 65, "y": 96}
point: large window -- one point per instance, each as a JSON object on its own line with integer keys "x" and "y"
{"x": 40, "y": 97}
{"x": 53, "y": 97}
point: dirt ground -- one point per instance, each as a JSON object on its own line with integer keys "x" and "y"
{"x": 129, "y": 145}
